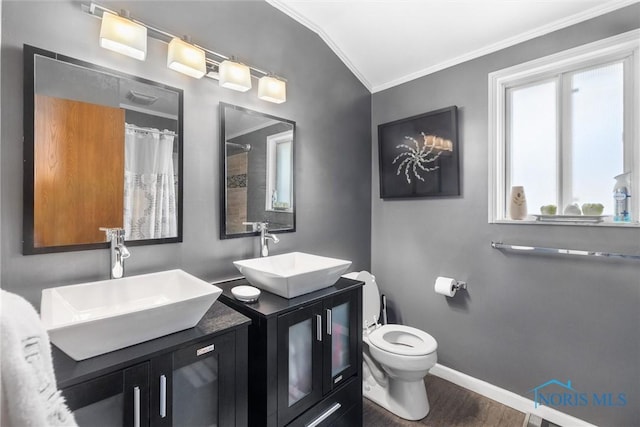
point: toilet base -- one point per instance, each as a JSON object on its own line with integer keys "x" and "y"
{"x": 406, "y": 399}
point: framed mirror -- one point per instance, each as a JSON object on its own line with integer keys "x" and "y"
{"x": 101, "y": 149}
{"x": 257, "y": 165}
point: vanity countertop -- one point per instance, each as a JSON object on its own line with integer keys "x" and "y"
{"x": 218, "y": 319}
{"x": 271, "y": 304}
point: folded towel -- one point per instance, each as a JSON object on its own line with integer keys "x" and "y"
{"x": 29, "y": 395}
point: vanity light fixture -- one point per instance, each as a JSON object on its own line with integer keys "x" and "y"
{"x": 122, "y": 35}
{"x": 234, "y": 75}
{"x": 186, "y": 58}
{"x": 272, "y": 89}
{"x": 128, "y": 36}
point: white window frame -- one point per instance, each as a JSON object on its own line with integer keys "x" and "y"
{"x": 272, "y": 143}
{"x": 625, "y": 47}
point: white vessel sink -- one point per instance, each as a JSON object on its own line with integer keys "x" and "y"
{"x": 293, "y": 274}
{"x": 93, "y": 318}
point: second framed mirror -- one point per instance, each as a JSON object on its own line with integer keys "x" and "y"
{"x": 257, "y": 182}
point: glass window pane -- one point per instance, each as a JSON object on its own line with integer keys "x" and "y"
{"x": 300, "y": 360}
{"x": 195, "y": 394}
{"x": 532, "y": 139}
{"x": 283, "y": 174}
{"x": 597, "y": 124}
{"x": 339, "y": 338}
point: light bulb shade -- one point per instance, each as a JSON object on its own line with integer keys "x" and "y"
{"x": 124, "y": 36}
{"x": 186, "y": 58}
{"x": 234, "y": 75}
{"x": 272, "y": 89}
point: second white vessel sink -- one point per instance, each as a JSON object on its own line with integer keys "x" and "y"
{"x": 292, "y": 274}
{"x": 93, "y": 318}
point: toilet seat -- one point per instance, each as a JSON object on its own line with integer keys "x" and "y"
{"x": 403, "y": 340}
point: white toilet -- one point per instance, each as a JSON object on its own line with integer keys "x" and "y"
{"x": 396, "y": 358}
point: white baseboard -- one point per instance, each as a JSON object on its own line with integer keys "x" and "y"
{"x": 506, "y": 397}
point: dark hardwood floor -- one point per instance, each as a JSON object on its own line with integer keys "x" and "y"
{"x": 451, "y": 406}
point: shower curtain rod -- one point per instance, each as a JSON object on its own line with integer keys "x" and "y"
{"x": 161, "y": 132}
{"x": 245, "y": 147}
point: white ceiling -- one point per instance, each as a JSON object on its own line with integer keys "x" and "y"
{"x": 388, "y": 42}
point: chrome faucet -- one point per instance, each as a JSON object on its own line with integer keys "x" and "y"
{"x": 265, "y": 236}
{"x": 119, "y": 251}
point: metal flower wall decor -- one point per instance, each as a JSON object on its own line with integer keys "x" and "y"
{"x": 416, "y": 158}
{"x": 419, "y": 156}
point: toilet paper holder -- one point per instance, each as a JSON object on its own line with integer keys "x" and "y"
{"x": 448, "y": 286}
{"x": 460, "y": 285}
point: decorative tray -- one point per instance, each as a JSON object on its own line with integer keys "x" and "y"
{"x": 570, "y": 218}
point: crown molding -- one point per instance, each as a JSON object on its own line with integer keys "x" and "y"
{"x": 512, "y": 41}
{"x": 520, "y": 38}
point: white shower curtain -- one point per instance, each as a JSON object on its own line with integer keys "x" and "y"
{"x": 149, "y": 190}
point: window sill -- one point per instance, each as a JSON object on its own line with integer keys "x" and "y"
{"x": 279, "y": 210}
{"x": 565, "y": 223}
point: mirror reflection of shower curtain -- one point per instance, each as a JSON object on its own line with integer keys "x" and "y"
{"x": 149, "y": 190}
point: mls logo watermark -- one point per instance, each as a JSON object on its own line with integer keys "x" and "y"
{"x": 557, "y": 393}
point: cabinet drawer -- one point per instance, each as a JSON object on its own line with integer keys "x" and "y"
{"x": 333, "y": 407}
{"x": 352, "y": 418}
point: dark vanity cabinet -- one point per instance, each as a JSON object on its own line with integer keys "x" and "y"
{"x": 305, "y": 356}
{"x": 117, "y": 399}
{"x": 191, "y": 386}
{"x": 197, "y": 377}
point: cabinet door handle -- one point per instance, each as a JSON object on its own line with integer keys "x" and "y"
{"x": 326, "y": 414}
{"x": 136, "y": 406}
{"x": 329, "y": 323}
{"x": 163, "y": 396}
{"x": 318, "y": 327}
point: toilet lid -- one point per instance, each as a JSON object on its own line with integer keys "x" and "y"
{"x": 370, "y": 298}
{"x": 404, "y": 340}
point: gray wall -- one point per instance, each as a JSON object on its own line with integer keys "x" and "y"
{"x": 526, "y": 319}
{"x": 330, "y": 106}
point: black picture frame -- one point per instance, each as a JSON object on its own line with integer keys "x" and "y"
{"x": 419, "y": 156}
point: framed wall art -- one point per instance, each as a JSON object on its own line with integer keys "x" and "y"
{"x": 419, "y": 156}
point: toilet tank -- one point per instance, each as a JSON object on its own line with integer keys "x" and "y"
{"x": 370, "y": 296}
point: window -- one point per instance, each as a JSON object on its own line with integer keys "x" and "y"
{"x": 280, "y": 172}
{"x": 564, "y": 126}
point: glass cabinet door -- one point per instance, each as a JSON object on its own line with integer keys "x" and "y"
{"x": 342, "y": 333}
{"x": 195, "y": 392}
{"x": 191, "y": 385}
{"x": 300, "y": 351}
{"x": 339, "y": 324}
{"x": 118, "y": 399}
{"x": 300, "y": 364}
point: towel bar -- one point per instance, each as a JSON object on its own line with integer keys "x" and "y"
{"x": 554, "y": 251}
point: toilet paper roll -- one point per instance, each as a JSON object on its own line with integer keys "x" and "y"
{"x": 445, "y": 286}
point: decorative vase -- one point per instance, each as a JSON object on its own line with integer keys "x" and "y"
{"x": 518, "y": 203}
